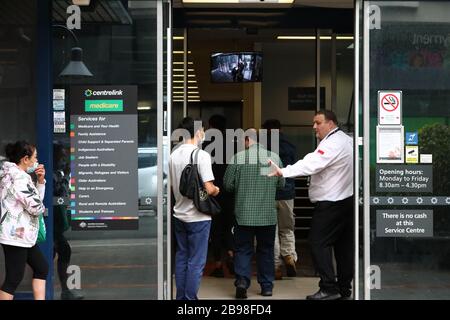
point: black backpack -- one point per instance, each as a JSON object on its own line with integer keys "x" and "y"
{"x": 191, "y": 186}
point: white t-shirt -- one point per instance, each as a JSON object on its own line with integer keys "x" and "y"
{"x": 184, "y": 208}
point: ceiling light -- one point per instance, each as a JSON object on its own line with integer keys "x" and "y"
{"x": 296, "y": 37}
{"x": 81, "y": 2}
{"x": 178, "y": 38}
{"x": 180, "y": 52}
{"x": 144, "y": 108}
{"x": 237, "y": 1}
{"x": 76, "y": 67}
{"x": 313, "y": 38}
{"x": 210, "y": 1}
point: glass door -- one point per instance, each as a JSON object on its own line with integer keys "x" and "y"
{"x": 405, "y": 93}
{"x": 110, "y": 154}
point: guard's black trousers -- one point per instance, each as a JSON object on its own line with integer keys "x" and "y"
{"x": 332, "y": 228}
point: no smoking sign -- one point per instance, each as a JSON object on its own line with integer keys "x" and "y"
{"x": 389, "y": 107}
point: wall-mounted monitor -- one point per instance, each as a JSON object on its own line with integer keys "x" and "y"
{"x": 236, "y": 67}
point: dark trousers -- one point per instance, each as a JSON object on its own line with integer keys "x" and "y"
{"x": 244, "y": 249}
{"x": 332, "y": 228}
{"x": 221, "y": 236}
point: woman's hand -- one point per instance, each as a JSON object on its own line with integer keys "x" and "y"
{"x": 40, "y": 173}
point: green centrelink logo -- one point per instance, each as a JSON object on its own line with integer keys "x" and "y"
{"x": 88, "y": 92}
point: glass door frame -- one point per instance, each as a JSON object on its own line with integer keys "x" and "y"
{"x": 362, "y": 73}
{"x": 164, "y": 112}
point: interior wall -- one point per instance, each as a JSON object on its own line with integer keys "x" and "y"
{"x": 292, "y": 64}
{"x": 285, "y": 64}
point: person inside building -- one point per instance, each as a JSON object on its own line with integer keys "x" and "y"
{"x": 330, "y": 167}
{"x": 284, "y": 236}
{"x": 221, "y": 238}
{"x": 61, "y": 247}
{"x": 191, "y": 227}
{"x": 255, "y": 212}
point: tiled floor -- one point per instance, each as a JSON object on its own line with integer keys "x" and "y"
{"x": 288, "y": 288}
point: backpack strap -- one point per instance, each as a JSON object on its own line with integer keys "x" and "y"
{"x": 191, "y": 158}
{"x": 196, "y": 155}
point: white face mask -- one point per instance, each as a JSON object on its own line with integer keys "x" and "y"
{"x": 33, "y": 167}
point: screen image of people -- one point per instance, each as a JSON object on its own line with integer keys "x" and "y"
{"x": 236, "y": 67}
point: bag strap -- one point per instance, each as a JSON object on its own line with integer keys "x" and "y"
{"x": 196, "y": 156}
{"x": 192, "y": 153}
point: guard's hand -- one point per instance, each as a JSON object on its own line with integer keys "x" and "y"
{"x": 217, "y": 191}
{"x": 40, "y": 173}
{"x": 275, "y": 170}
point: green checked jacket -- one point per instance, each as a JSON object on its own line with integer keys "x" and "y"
{"x": 246, "y": 176}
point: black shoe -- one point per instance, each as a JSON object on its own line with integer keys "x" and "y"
{"x": 266, "y": 292}
{"x": 217, "y": 272}
{"x": 241, "y": 292}
{"x": 346, "y": 298}
{"x": 323, "y": 295}
{"x": 71, "y": 295}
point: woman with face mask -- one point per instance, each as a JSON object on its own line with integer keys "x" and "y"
{"x": 21, "y": 206}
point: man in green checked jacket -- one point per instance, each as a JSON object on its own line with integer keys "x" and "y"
{"x": 255, "y": 211}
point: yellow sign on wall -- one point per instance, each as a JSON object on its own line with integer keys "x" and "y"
{"x": 412, "y": 154}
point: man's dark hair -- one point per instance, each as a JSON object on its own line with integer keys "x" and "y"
{"x": 218, "y": 121}
{"x": 188, "y": 124}
{"x": 329, "y": 115}
{"x": 271, "y": 124}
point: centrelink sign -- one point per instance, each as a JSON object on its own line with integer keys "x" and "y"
{"x": 103, "y": 98}
{"x": 89, "y": 92}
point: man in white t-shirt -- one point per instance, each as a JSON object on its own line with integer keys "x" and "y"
{"x": 190, "y": 225}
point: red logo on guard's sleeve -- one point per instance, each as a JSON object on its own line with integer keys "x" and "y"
{"x": 320, "y": 151}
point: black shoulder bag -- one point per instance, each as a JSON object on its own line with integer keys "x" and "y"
{"x": 191, "y": 186}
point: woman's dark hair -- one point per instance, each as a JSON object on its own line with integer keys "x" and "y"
{"x": 16, "y": 151}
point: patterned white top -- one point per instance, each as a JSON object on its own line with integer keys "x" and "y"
{"x": 21, "y": 205}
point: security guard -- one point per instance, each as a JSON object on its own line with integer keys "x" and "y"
{"x": 330, "y": 167}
